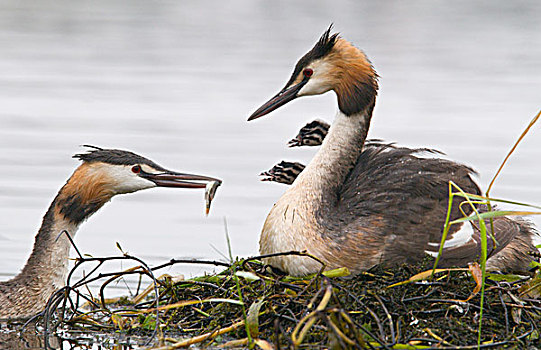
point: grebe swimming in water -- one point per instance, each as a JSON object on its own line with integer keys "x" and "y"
{"x": 103, "y": 174}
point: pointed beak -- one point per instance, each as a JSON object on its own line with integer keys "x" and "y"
{"x": 280, "y": 99}
{"x": 295, "y": 142}
{"x": 174, "y": 179}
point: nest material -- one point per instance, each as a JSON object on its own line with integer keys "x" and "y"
{"x": 248, "y": 304}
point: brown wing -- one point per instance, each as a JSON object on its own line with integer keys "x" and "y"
{"x": 410, "y": 193}
{"x": 408, "y": 196}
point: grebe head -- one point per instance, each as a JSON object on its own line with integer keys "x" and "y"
{"x": 106, "y": 173}
{"x": 312, "y": 134}
{"x": 332, "y": 64}
{"x": 283, "y": 172}
{"x": 114, "y": 171}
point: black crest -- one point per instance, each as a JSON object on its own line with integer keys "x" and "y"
{"x": 114, "y": 157}
{"x": 323, "y": 46}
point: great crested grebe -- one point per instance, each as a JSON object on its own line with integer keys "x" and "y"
{"x": 103, "y": 174}
{"x": 312, "y": 134}
{"x": 283, "y": 172}
{"x": 382, "y": 206}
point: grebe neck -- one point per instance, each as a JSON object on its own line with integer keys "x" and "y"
{"x": 323, "y": 176}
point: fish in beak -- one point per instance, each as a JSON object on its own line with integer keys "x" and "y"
{"x": 174, "y": 179}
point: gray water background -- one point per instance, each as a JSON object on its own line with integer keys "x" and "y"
{"x": 175, "y": 81}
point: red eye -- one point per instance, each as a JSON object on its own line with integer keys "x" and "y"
{"x": 308, "y": 72}
{"x": 136, "y": 169}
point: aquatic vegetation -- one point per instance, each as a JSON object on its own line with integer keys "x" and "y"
{"x": 247, "y": 304}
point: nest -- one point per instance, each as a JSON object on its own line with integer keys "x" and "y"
{"x": 249, "y": 305}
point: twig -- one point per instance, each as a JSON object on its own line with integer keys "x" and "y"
{"x": 201, "y": 338}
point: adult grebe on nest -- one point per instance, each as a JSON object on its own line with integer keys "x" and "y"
{"x": 358, "y": 206}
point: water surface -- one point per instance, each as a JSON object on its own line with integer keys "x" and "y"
{"x": 175, "y": 81}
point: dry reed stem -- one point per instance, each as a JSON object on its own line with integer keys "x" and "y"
{"x": 201, "y": 338}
